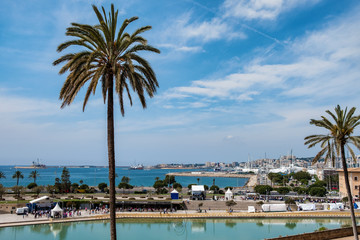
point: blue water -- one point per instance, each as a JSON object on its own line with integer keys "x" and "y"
{"x": 204, "y": 229}
{"x": 94, "y": 176}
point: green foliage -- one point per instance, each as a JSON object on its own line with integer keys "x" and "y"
{"x": 189, "y": 186}
{"x": 169, "y": 180}
{"x": 214, "y": 188}
{"x": 2, "y": 175}
{"x": 263, "y": 189}
{"x": 345, "y": 199}
{"x": 34, "y": 175}
{"x": 289, "y": 201}
{"x": 65, "y": 181}
{"x": 31, "y": 185}
{"x": 226, "y": 188}
{"x": 177, "y": 185}
{"x": 317, "y": 191}
{"x": 38, "y": 190}
{"x": 283, "y": 190}
{"x": 2, "y": 191}
{"x": 300, "y": 190}
{"x": 18, "y": 175}
{"x": 206, "y": 187}
{"x": 301, "y": 176}
{"x": 125, "y": 186}
{"x": 84, "y": 186}
{"x": 102, "y": 186}
{"x": 230, "y": 203}
{"x": 125, "y": 179}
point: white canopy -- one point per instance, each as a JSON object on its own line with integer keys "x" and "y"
{"x": 41, "y": 199}
{"x": 229, "y": 194}
{"x": 197, "y": 188}
{"x": 306, "y": 206}
{"x": 174, "y": 191}
{"x": 251, "y": 209}
{"x": 56, "y": 209}
{"x": 274, "y": 207}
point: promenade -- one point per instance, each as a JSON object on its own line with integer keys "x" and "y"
{"x": 8, "y": 220}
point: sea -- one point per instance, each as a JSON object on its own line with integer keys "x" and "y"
{"x": 93, "y": 176}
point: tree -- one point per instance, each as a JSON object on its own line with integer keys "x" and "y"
{"x": 177, "y": 186}
{"x": 283, "y": 190}
{"x": 18, "y": 175}
{"x": 50, "y": 189}
{"x": 230, "y": 203}
{"x": 110, "y": 57}
{"x": 2, "y": 191}
{"x": 125, "y": 179}
{"x": 2, "y": 175}
{"x": 38, "y": 190}
{"x": 34, "y": 174}
{"x": 301, "y": 175}
{"x": 341, "y": 130}
{"x": 317, "y": 191}
{"x": 102, "y": 186}
{"x": 31, "y": 185}
{"x": 263, "y": 189}
{"x": 65, "y": 180}
{"x": 198, "y": 180}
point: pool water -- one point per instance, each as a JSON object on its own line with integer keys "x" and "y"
{"x": 199, "y": 229}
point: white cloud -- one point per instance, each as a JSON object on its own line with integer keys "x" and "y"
{"x": 261, "y": 9}
{"x": 322, "y": 64}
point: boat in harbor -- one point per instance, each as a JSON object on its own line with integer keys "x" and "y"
{"x": 137, "y": 167}
{"x": 35, "y": 164}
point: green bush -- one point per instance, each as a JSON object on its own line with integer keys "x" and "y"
{"x": 263, "y": 189}
{"x": 31, "y": 185}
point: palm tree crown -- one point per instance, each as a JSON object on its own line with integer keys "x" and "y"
{"x": 2, "y": 175}
{"x": 107, "y": 55}
{"x": 333, "y": 144}
{"x": 18, "y": 175}
{"x": 340, "y": 133}
{"x": 34, "y": 174}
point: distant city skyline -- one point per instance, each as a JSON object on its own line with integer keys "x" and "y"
{"x": 237, "y": 79}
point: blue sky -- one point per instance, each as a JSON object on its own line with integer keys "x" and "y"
{"x": 237, "y": 78}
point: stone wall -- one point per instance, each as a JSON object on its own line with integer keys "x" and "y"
{"x": 322, "y": 235}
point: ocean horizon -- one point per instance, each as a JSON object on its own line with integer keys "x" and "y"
{"x": 94, "y": 175}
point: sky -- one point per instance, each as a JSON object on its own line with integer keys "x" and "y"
{"x": 239, "y": 80}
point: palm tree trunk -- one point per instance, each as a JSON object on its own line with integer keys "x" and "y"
{"x": 111, "y": 154}
{"x": 346, "y": 176}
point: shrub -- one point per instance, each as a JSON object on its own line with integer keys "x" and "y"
{"x": 102, "y": 186}
{"x": 263, "y": 189}
{"x": 31, "y": 185}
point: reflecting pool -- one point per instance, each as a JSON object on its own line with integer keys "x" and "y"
{"x": 157, "y": 229}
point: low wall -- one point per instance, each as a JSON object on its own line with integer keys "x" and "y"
{"x": 322, "y": 235}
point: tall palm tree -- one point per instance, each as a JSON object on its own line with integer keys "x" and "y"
{"x": 34, "y": 174}
{"x": 109, "y": 56}
{"x": 18, "y": 174}
{"x": 2, "y": 175}
{"x": 333, "y": 144}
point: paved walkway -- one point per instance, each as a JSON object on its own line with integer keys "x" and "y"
{"x": 7, "y": 220}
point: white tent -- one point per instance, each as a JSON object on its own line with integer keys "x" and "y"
{"x": 251, "y": 209}
{"x": 229, "y": 194}
{"x": 57, "y": 211}
{"x": 306, "y": 207}
{"x": 274, "y": 207}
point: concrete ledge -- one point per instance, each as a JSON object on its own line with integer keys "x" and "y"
{"x": 322, "y": 235}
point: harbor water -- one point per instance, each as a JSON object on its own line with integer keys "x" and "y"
{"x": 94, "y": 176}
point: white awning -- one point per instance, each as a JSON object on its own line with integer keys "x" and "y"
{"x": 40, "y": 199}
{"x": 174, "y": 191}
{"x": 197, "y": 188}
